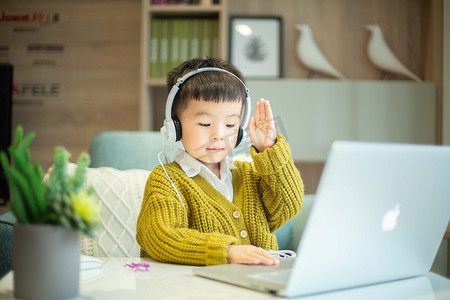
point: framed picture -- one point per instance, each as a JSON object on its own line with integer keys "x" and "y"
{"x": 256, "y": 46}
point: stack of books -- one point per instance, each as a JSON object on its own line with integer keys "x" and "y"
{"x": 175, "y": 40}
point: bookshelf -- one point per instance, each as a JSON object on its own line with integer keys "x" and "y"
{"x": 153, "y": 88}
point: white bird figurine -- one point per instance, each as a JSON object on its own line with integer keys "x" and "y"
{"x": 310, "y": 55}
{"x": 382, "y": 56}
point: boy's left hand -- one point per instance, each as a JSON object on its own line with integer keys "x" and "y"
{"x": 262, "y": 129}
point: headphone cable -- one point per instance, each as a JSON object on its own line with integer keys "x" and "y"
{"x": 164, "y": 169}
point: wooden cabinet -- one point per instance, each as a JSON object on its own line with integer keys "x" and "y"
{"x": 153, "y": 90}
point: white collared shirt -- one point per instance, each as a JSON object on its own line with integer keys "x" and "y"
{"x": 193, "y": 167}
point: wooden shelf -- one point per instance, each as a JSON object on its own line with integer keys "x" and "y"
{"x": 185, "y": 9}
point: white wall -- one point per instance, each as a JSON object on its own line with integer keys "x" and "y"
{"x": 314, "y": 113}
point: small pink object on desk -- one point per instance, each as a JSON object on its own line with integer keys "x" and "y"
{"x": 136, "y": 267}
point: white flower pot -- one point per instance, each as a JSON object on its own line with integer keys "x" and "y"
{"x": 46, "y": 262}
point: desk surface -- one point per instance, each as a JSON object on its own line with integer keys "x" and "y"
{"x": 168, "y": 281}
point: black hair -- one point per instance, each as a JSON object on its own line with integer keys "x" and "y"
{"x": 206, "y": 86}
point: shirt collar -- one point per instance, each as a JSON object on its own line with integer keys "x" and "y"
{"x": 193, "y": 167}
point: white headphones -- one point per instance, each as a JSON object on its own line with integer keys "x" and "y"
{"x": 171, "y": 129}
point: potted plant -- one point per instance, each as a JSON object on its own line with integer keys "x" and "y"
{"x": 51, "y": 214}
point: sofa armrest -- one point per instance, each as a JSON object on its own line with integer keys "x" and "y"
{"x": 289, "y": 235}
{"x": 7, "y": 221}
{"x": 299, "y": 221}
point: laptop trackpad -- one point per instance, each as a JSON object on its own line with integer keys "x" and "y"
{"x": 279, "y": 276}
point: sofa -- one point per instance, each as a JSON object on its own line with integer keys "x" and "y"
{"x": 120, "y": 164}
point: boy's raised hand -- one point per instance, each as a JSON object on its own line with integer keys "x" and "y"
{"x": 262, "y": 127}
{"x": 250, "y": 255}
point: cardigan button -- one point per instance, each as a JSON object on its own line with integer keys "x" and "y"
{"x": 236, "y": 214}
{"x": 244, "y": 234}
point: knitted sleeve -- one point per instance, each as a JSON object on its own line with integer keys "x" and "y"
{"x": 163, "y": 229}
{"x": 281, "y": 185}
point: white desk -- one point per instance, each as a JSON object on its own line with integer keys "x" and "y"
{"x": 168, "y": 281}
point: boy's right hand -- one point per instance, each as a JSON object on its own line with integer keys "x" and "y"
{"x": 248, "y": 254}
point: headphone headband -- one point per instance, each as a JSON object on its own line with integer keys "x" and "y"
{"x": 174, "y": 90}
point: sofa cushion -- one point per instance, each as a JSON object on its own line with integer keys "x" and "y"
{"x": 119, "y": 194}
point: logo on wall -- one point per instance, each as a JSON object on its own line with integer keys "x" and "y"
{"x": 45, "y": 48}
{"x": 45, "y": 54}
{"x": 34, "y": 93}
{"x": 29, "y": 17}
{"x": 36, "y": 89}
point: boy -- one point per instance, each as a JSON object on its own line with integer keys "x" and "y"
{"x": 228, "y": 210}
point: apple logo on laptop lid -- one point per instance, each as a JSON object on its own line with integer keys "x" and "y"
{"x": 390, "y": 218}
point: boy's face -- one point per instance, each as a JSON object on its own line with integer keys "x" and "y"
{"x": 209, "y": 129}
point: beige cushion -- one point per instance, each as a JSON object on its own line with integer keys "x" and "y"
{"x": 119, "y": 195}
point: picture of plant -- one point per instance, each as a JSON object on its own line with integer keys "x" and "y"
{"x": 256, "y": 46}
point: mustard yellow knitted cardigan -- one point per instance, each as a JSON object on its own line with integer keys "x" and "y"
{"x": 267, "y": 193}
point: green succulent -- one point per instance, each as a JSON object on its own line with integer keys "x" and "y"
{"x": 49, "y": 201}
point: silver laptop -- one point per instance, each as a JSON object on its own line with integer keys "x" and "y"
{"x": 379, "y": 215}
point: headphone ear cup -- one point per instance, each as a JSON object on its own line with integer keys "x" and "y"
{"x": 177, "y": 126}
{"x": 239, "y": 136}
